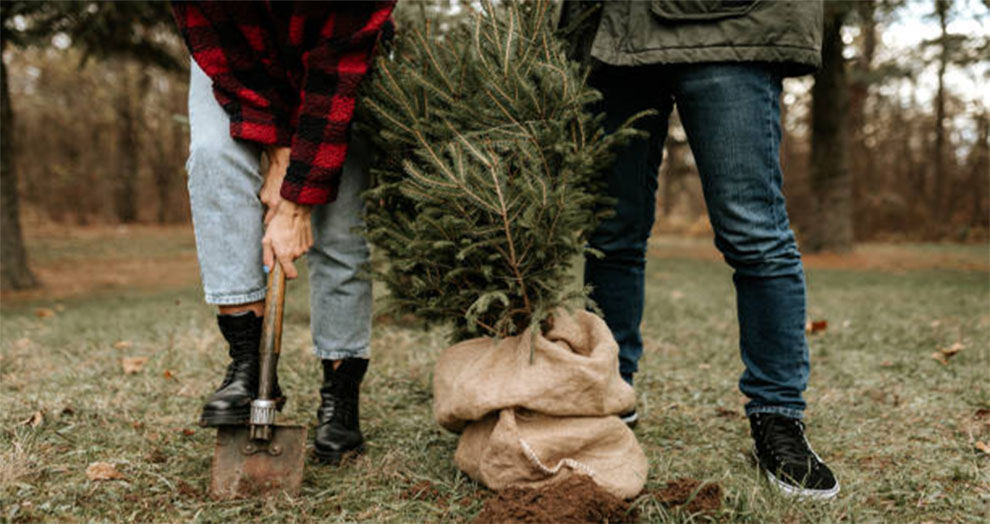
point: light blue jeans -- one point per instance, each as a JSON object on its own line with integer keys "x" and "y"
{"x": 224, "y": 182}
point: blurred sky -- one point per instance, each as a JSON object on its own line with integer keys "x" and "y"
{"x": 915, "y": 23}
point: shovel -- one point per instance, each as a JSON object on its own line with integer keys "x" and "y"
{"x": 261, "y": 459}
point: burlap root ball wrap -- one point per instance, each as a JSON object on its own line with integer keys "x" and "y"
{"x": 529, "y": 422}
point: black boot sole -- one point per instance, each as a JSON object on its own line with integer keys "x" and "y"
{"x": 334, "y": 458}
{"x": 239, "y": 417}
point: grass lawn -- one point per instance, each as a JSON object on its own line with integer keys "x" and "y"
{"x": 900, "y": 429}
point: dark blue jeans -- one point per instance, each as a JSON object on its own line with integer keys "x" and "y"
{"x": 731, "y": 114}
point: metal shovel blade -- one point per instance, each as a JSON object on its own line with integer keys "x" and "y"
{"x": 243, "y": 467}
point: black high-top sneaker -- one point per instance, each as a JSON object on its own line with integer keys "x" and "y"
{"x": 340, "y": 430}
{"x": 230, "y": 405}
{"x": 784, "y": 455}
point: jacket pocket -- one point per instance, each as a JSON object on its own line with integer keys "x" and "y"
{"x": 700, "y": 10}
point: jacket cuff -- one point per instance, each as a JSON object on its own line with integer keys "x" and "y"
{"x": 260, "y": 127}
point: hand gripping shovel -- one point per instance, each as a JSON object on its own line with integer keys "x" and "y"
{"x": 261, "y": 458}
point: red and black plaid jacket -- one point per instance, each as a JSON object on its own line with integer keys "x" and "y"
{"x": 287, "y": 73}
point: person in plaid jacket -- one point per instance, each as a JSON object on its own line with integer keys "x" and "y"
{"x": 278, "y": 80}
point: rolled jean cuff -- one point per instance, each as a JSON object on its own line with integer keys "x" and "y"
{"x": 777, "y": 410}
{"x": 341, "y": 354}
{"x": 235, "y": 299}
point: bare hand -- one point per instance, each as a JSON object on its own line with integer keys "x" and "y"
{"x": 288, "y": 235}
{"x": 278, "y": 164}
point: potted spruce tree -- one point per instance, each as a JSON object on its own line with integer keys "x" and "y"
{"x": 486, "y": 186}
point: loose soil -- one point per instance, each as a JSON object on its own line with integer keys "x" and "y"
{"x": 574, "y": 499}
{"x": 423, "y": 490}
{"x": 690, "y": 495}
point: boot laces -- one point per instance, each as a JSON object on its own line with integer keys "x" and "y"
{"x": 339, "y": 406}
{"x": 232, "y": 370}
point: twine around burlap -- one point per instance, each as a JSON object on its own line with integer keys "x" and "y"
{"x": 526, "y": 423}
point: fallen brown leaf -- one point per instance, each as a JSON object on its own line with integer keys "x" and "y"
{"x": 817, "y": 326}
{"x": 22, "y": 343}
{"x": 944, "y": 354}
{"x": 103, "y": 471}
{"x": 676, "y": 294}
{"x": 188, "y": 432}
{"x": 982, "y": 446}
{"x": 132, "y": 365}
{"x": 950, "y": 351}
{"x": 34, "y": 420}
{"x": 122, "y": 344}
{"x": 168, "y": 375}
{"x": 44, "y": 312}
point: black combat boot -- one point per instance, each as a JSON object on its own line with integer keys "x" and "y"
{"x": 231, "y": 403}
{"x": 339, "y": 430}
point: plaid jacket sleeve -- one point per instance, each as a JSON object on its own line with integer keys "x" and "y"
{"x": 287, "y": 74}
{"x": 333, "y": 69}
{"x": 230, "y": 42}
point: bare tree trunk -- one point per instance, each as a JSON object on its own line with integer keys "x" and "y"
{"x": 938, "y": 204}
{"x": 159, "y": 140}
{"x": 831, "y": 183}
{"x": 125, "y": 195}
{"x": 861, "y": 162}
{"x": 980, "y": 172}
{"x": 14, "y": 270}
{"x": 673, "y": 171}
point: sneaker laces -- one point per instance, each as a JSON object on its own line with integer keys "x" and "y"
{"x": 784, "y": 438}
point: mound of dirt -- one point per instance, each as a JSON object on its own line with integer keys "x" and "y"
{"x": 690, "y": 495}
{"x": 575, "y": 499}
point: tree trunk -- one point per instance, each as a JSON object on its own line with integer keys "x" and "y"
{"x": 861, "y": 162}
{"x": 938, "y": 204}
{"x": 832, "y": 229}
{"x": 980, "y": 167}
{"x": 161, "y": 166}
{"x": 125, "y": 195}
{"x": 14, "y": 270}
{"x": 673, "y": 172}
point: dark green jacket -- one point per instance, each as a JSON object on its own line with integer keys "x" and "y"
{"x": 641, "y": 32}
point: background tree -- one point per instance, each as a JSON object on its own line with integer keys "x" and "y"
{"x": 135, "y": 30}
{"x": 14, "y": 271}
{"x": 831, "y": 185}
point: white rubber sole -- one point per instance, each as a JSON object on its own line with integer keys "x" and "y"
{"x": 794, "y": 491}
{"x": 802, "y": 493}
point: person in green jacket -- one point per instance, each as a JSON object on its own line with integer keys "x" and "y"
{"x": 721, "y": 63}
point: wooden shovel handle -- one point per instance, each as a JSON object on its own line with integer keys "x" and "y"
{"x": 271, "y": 331}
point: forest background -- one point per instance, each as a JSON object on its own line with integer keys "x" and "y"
{"x": 888, "y": 142}
{"x": 107, "y": 348}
